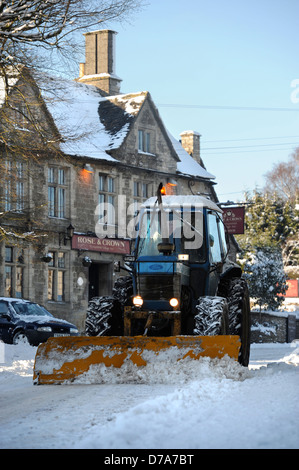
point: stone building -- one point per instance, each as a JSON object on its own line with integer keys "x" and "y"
{"x": 84, "y": 144}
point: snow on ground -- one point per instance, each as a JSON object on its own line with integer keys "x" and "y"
{"x": 207, "y": 404}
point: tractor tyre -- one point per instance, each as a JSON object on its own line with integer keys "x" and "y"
{"x": 123, "y": 290}
{"x": 104, "y": 317}
{"x": 236, "y": 292}
{"x": 212, "y": 316}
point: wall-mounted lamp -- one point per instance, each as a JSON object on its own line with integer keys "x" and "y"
{"x": 87, "y": 167}
{"x": 67, "y": 235}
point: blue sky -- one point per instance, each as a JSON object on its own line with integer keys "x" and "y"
{"x": 234, "y": 53}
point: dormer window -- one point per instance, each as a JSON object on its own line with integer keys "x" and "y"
{"x": 144, "y": 141}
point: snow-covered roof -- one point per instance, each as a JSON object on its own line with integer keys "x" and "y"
{"x": 91, "y": 125}
{"x": 187, "y": 165}
{"x": 170, "y": 202}
{"x": 74, "y": 108}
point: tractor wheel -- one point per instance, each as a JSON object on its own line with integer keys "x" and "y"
{"x": 104, "y": 317}
{"x": 212, "y": 316}
{"x": 123, "y": 290}
{"x": 239, "y": 315}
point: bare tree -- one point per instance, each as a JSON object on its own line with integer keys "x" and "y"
{"x": 284, "y": 178}
{"x": 27, "y": 30}
{"x": 30, "y": 34}
{"x": 26, "y": 27}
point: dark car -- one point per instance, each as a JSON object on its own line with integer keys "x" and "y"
{"x": 22, "y": 320}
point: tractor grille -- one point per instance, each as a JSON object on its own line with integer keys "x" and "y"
{"x": 159, "y": 287}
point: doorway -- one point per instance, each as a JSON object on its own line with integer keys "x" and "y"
{"x": 100, "y": 279}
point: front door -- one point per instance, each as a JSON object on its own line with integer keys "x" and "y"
{"x": 100, "y": 279}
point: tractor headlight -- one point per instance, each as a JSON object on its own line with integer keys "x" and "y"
{"x": 138, "y": 301}
{"x": 174, "y": 302}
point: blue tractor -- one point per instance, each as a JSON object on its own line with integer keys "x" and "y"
{"x": 180, "y": 282}
{"x": 182, "y": 298}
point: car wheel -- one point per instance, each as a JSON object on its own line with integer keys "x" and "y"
{"x": 20, "y": 338}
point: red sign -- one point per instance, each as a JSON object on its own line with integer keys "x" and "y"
{"x": 233, "y": 218}
{"x": 107, "y": 245}
{"x": 292, "y": 288}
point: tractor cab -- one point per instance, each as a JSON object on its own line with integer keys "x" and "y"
{"x": 179, "y": 252}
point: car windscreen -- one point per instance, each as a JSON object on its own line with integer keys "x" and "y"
{"x": 30, "y": 308}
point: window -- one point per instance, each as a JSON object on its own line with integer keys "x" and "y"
{"x": 144, "y": 190}
{"x": 8, "y": 186}
{"x": 57, "y": 188}
{"x": 56, "y": 276}
{"x": 20, "y": 187}
{"x": 223, "y": 238}
{"x": 106, "y": 199}
{"x": 144, "y": 141}
{"x": 136, "y": 189}
{"x": 214, "y": 240}
{"x": 14, "y": 266}
{"x": 141, "y": 191}
{"x": 8, "y": 281}
{"x": 22, "y": 113}
{"x": 14, "y": 186}
{"x": 192, "y": 235}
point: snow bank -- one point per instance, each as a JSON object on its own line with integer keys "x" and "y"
{"x": 222, "y": 405}
{"x": 210, "y": 404}
{"x": 15, "y": 362}
{"x": 162, "y": 369}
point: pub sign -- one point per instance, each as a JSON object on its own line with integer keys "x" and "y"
{"x": 233, "y": 218}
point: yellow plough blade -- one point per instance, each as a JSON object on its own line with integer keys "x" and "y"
{"x": 66, "y": 358}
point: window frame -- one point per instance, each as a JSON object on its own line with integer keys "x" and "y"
{"x": 57, "y": 181}
{"x": 145, "y": 141}
{"x": 139, "y": 190}
{"x": 14, "y": 272}
{"x": 215, "y": 232}
{"x": 14, "y": 186}
{"x": 56, "y": 286}
{"x": 107, "y": 191}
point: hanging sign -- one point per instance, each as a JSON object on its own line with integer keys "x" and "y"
{"x": 233, "y": 218}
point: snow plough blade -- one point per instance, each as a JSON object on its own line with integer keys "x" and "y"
{"x": 67, "y": 358}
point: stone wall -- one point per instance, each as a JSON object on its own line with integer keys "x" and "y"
{"x": 273, "y": 327}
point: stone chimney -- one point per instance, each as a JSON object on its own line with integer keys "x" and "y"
{"x": 190, "y": 141}
{"x": 99, "y": 66}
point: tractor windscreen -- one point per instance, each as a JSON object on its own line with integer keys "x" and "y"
{"x": 182, "y": 229}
